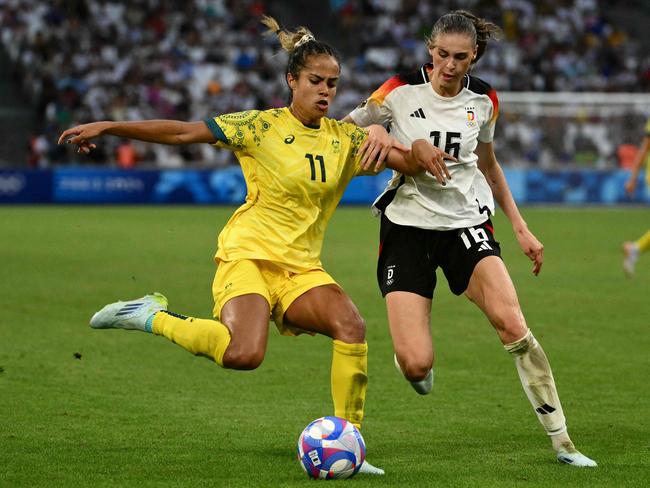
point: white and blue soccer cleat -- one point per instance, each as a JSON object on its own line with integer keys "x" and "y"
{"x": 129, "y": 315}
{"x": 423, "y": 386}
{"x": 367, "y": 468}
{"x": 575, "y": 458}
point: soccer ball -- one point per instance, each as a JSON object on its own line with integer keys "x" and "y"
{"x": 331, "y": 448}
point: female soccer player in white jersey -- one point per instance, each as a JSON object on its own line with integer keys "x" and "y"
{"x": 443, "y": 220}
{"x": 296, "y": 163}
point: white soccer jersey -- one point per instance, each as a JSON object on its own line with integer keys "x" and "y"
{"x": 412, "y": 109}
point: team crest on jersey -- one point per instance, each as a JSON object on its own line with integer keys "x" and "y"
{"x": 471, "y": 116}
{"x": 336, "y": 146}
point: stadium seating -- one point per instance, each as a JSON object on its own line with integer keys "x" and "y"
{"x": 86, "y": 60}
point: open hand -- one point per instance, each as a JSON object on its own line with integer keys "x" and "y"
{"x": 376, "y": 147}
{"x": 432, "y": 159}
{"x": 532, "y": 248}
{"x": 81, "y": 134}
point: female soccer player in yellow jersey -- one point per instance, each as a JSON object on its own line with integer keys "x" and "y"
{"x": 296, "y": 163}
{"x": 426, "y": 224}
{"x": 632, "y": 249}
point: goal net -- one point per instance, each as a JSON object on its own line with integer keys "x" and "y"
{"x": 570, "y": 130}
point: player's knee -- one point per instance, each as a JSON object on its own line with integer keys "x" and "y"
{"x": 509, "y": 323}
{"x": 243, "y": 359}
{"x": 350, "y": 328}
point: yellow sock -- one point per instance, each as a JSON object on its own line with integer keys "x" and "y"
{"x": 349, "y": 377}
{"x": 201, "y": 337}
{"x": 644, "y": 242}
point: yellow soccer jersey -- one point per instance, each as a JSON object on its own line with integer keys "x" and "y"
{"x": 295, "y": 177}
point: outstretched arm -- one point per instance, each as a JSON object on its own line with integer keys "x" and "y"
{"x": 159, "y": 131}
{"x": 491, "y": 168}
{"x": 640, "y": 158}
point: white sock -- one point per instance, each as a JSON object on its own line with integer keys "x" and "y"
{"x": 537, "y": 379}
{"x": 562, "y": 442}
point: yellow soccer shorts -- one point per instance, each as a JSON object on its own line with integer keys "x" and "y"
{"x": 277, "y": 285}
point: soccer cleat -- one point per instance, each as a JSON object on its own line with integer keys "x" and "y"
{"x": 423, "y": 386}
{"x": 631, "y": 252}
{"x": 368, "y": 468}
{"x": 129, "y": 315}
{"x": 575, "y": 458}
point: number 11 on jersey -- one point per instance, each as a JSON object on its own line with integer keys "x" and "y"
{"x": 312, "y": 166}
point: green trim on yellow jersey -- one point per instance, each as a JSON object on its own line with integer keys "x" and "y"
{"x": 215, "y": 129}
{"x": 295, "y": 176}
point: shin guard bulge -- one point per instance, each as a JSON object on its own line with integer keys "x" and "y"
{"x": 349, "y": 378}
{"x": 537, "y": 379}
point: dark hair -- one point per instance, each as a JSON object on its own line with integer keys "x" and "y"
{"x": 300, "y": 44}
{"x": 464, "y": 22}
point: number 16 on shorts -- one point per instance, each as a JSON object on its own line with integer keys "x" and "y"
{"x": 476, "y": 235}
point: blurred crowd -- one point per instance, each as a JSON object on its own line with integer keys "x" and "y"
{"x": 86, "y": 60}
{"x": 547, "y": 45}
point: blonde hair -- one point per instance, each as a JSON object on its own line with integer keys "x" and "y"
{"x": 479, "y": 30}
{"x": 289, "y": 41}
{"x": 300, "y": 44}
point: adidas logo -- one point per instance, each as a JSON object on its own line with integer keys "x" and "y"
{"x": 127, "y": 309}
{"x": 485, "y": 247}
{"x": 418, "y": 114}
{"x": 545, "y": 409}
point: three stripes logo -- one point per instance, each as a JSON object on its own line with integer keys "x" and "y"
{"x": 127, "y": 309}
{"x": 418, "y": 114}
{"x": 545, "y": 409}
{"x": 485, "y": 247}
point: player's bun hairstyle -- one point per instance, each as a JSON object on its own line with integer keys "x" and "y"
{"x": 300, "y": 44}
{"x": 464, "y": 22}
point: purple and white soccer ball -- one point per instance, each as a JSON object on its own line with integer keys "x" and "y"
{"x": 331, "y": 448}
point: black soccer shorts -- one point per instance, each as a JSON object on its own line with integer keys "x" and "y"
{"x": 410, "y": 256}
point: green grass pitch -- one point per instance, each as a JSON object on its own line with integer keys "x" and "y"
{"x": 80, "y": 407}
